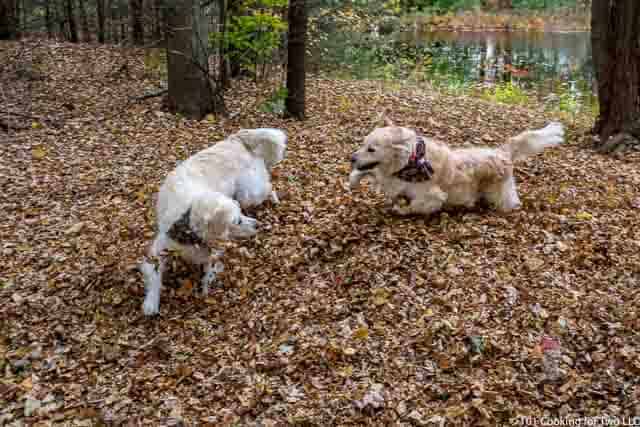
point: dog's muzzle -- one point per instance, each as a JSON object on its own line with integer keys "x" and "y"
{"x": 366, "y": 167}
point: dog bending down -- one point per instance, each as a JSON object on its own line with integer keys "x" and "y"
{"x": 201, "y": 201}
{"x": 461, "y": 177}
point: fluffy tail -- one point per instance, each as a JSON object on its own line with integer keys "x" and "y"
{"x": 533, "y": 142}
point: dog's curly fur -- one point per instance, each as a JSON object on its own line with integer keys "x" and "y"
{"x": 200, "y": 202}
{"x": 461, "y": 177}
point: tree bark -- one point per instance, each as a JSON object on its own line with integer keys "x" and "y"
{"x": 101, "y": 20}
{"x": 48, "y": 18}
{"x": 615, "y": 37}
{"x": 61, "y": 17}
{"x": 8, "y": 20}
{"x": 190, "y": 90}
{"x": 137, "y": 28}
{"x": 18, "y": 17}
{"x": 113, "y": 17}
{"x": 296, "y": 72}
{"x": 71, "y": 20}
{"x": 223, "y": 63}
{"x": 158, "y": 25}
{"x": 86, "y": 34}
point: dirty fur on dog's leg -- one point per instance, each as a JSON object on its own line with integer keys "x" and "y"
{"x": 211, "y": 270}
{"x": 201, "y": 256}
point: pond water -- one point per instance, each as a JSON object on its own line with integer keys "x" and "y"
{"x": 508, "y": 66}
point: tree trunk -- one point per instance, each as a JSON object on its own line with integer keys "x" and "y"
{"x": 158, "y": 25}
{"x": 101, "y": 20}
{"x": 615, "y": 38}
{"x": 296, "y": 75}
{"x": 61, "y": 18}
{"x": 48, "y": 18}
{"x": 71, "y": 20}
{"x": 86, "y": 34}
{"x": 8, "y": 20}
{"x": 114, "y": 16}
{"x": 190, "y": 90}
{"x": 135, "y": 16}
{"x": 18, "y": 17}
{"x": 223, "y": 63}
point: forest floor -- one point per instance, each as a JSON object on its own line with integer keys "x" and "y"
{"x": 337, "y": 313}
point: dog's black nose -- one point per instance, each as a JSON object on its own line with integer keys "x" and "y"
{"x": 353, "y": 158}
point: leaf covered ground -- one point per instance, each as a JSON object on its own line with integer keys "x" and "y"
{"x": 337, "y": 313}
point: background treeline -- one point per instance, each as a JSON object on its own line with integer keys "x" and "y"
{"x": 140, "y": 20}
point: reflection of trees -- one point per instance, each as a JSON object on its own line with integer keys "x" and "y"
{"x": 542, "y": 60}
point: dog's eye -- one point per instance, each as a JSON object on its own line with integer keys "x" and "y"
{"x": 371, "y": 150}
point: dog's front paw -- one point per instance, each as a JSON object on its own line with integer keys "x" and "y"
{"x": 354, "y": 179}
{"x": 274, "y": 198}
{"x": 150, "y": 307}
{"x": 401, "y": 210}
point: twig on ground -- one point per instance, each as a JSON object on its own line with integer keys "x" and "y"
{"x": 153, "y": 94}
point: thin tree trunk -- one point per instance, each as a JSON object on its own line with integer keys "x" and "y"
{"x": 86, "y": 34}
{"x": 101, "y": 20}
{"x": 616, "y": 54}
{"x": 8, "y": 28}
{"x": 62, "y": 20}
{"x": 71, "y": 19}
{"x": 18, "y": 17}
{"x": 135, "y": 16}
{"x": 296, "y": 73}
{"x": 190, "y": 90}
{"x": 223, "y": 64}
{"x": 113, "y": 29}
{"x": 157, "y": 30}
{"x": 48, "y": 19}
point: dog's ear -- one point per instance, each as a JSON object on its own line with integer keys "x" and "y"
{"x": 402, "y": 137}
{"x": 270, "y": 144}
{"x": 248, "y": 139}
{"x": 383, "y": 119}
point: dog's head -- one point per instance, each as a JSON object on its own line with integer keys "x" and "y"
{"x": 221, "y": 218}
{"x": 267, "y": 143}
{"x": 385, "y": 151}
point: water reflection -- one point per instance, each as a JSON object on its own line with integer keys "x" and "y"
{"x": 555, "y": 67}
{"x": 546, "y": 62}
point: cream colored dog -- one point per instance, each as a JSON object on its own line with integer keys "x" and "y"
{"x": 457, "y": 177}
{"x": 200, "y": 202}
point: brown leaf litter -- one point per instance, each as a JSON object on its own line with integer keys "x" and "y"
{"x": 337, "y": 313}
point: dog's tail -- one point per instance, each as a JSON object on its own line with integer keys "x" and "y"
{"x": 533, "y": 142}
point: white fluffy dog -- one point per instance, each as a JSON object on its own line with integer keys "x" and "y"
{"x": 431, "y": 175}
{"x": 200, "y": 202}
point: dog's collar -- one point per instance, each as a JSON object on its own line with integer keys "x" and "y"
{"x": 182, "y": 232}
{"x": 418, "y": 168}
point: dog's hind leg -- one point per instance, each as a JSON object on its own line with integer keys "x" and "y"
{"x": 503, "y": 195}
{"x": 152, "y": 269}
{"x": 211, "y": 271}
{"x": 197, "y": 255}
